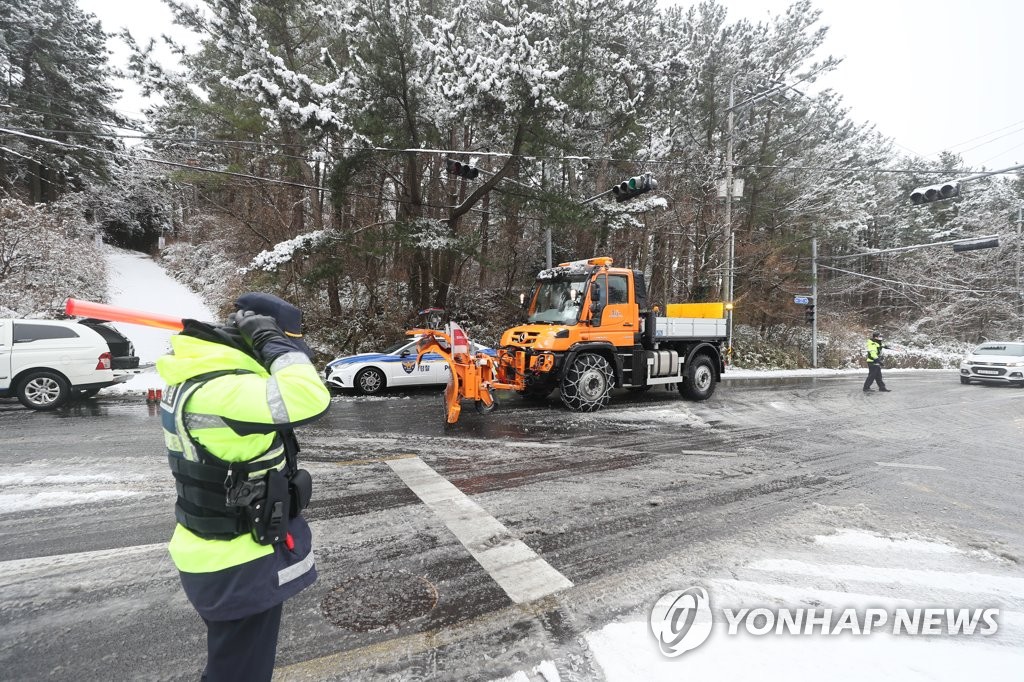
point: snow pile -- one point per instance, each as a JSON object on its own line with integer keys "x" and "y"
{"x": 677, "y": 415}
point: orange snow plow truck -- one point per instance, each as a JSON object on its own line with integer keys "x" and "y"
{"x": 589, "y": 329}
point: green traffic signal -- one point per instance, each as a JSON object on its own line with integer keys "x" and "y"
{"x": 633, "y": 187}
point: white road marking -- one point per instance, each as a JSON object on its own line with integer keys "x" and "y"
{"x": 909, "y": 466}
{"x": 528, "y": 444}
{"x": 708, "y": 453}
{"x": 75, "y": 559}
{"x": 520, "y": 571}
{"x": 506, "y": 443}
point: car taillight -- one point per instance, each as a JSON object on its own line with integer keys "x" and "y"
{"x": 104, "y": 361}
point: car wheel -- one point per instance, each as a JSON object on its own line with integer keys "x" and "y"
{"x": 43, "y": 390}
{"x": 964, "y": 380}
{"x": 371, "y": 381}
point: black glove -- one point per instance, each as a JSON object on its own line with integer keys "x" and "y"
{"x": 261, "y": 333}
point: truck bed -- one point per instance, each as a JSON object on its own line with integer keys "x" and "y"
{"x": 689, "y": 328}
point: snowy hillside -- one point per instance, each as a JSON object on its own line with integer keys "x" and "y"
{"x": 136, "y": 281}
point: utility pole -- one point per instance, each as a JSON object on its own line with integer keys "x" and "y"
{"x": 730, "y": 292}
{"x": 730, "y": 237}
{"x": 1020, "y": 249}
{"x": 814, "y": 301}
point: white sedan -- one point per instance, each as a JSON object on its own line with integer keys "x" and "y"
{"x": 998, "y": 362}
{"x": 371, "y": 373}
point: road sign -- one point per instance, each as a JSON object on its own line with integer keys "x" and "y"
{"x": 801, "y": 300}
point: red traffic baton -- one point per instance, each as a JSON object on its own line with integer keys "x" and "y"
{"x": 113, "y": 313}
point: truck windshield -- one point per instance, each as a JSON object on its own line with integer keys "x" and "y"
{"x": 554, "y": 302}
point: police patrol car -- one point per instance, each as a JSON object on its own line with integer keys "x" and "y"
{"x": 371, "y": 373}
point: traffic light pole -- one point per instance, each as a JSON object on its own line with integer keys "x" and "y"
{"x": 950, "y": 189}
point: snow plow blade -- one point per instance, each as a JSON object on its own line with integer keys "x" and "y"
{"x": 470, "y": 377}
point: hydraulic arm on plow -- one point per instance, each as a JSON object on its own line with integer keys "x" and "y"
{"x": 471, "y": 377}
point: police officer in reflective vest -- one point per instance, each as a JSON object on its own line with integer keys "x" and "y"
{"x": 241, "y": 545}
{"x": 875, "y": 363}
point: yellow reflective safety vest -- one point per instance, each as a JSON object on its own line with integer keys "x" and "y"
{"x": 236, "y": 417}
{"x": 874, "y": 350}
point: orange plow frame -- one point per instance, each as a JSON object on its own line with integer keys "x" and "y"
{"x": 470, "y": 377}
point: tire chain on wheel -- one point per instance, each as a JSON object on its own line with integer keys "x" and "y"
{"x": 569, "y": 389}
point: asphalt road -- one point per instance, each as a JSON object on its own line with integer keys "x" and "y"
{"x": 616, "y": 504}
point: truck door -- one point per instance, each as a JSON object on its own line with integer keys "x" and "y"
{"x": 618, "y": 313}
{"x": 5, "y": 354}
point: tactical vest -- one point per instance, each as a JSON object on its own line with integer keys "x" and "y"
{"x": 876, "y": 348}
{"x": 220, "y": 500}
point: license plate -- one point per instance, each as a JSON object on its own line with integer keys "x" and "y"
{"x": 987, "y": 371}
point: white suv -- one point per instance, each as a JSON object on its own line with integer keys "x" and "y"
{"x": 45, "y": 362}
{"x": 998, "y": 362}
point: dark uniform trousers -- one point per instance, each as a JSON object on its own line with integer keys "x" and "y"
{"x": 244, "y": 649}
{"x": 874, "y": 375}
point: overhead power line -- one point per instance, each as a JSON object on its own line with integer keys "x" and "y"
{"x": 980, "y": 137}
{"x": 457, "y": 152}
{"x": 957, "y": 290}
{"x": 164, "y": 162}
{"x": 216, "y": 171}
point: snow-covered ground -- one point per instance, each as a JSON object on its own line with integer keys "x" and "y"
{"x": 853, "y": 568}
{"x": 136, "y": 281}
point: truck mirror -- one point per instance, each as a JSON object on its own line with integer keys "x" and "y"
{"x": 596, "y": 304}
{"x": 522, "y": 300}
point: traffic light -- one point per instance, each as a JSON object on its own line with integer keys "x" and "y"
{"x": 974, "y": 245}
{"x": 461, "y": 169}
{"x": 634, "y": 187}
{"x": 940, "y": 192}
{"x": 809, "y": 313}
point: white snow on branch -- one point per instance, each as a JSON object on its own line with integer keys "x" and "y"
{"x": 285, "y": 251}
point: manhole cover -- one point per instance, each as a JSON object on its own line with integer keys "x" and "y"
{"x": 374, "y": 601}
